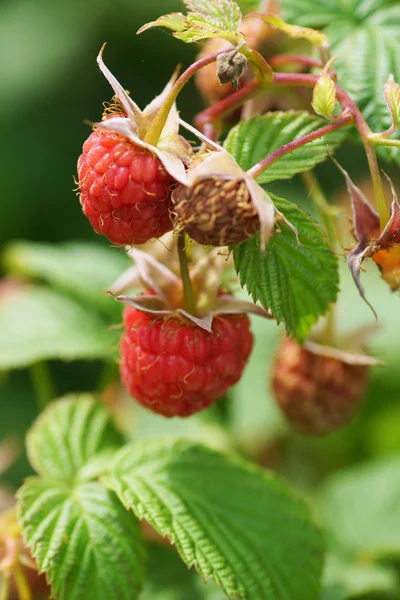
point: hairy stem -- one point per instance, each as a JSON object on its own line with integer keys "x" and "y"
{"x": 259, "y": 64}
{"x": 236, "y": 99}
{"x": 280, "y": 60}
{"x": 377, "y": 141}
{"x": 189, "y": 302}
{"x": 297, "y": 143}
{"x": 204, "y": 119}
{"x": 42, "y": 384}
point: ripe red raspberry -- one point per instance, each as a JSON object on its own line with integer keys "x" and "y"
{"x": 177, "y": 369}
{"x": 317, "y": 394}
{"x": 125, "y": 190}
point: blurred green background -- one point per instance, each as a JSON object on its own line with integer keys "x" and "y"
{"x": 49, "y": 84}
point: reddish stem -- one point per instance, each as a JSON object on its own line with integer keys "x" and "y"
{"x": 297, "y": 143}
{"x": 280, "y": 60}
{"x": 226, "y": 106}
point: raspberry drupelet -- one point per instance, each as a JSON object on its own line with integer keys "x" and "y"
{"x": 177, "y": 369}
{"x": 125, "y": 190}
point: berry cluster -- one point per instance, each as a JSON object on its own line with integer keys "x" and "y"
{"x": 186, "y": 341}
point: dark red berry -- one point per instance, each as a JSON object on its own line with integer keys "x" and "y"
{"x": 177, "y": 369}
{"x": 316, "y": 393}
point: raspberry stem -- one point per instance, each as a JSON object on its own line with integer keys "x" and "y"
{"x": 381, "y": 141}
{"x": 232, "y": 102}
{"x": 154, "y": 131}
{"x": 189, "y": 302}
{"x": 280, "y": 60}
{"x": 297, "y": 143}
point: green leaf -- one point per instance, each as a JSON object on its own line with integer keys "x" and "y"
{"x": 297, "y": 283}
{"x": 67, "y": 434}
{"x": 205, "y": 19}
{"x": 364, "y": 38}
{"x": 324, "y": 96}
{"x": 83, "y": 539}
{"x": 359, "y": 579}
{"x": 361, "y": 511}
{"x": 294, "y": 31}
{"x": 251, "y": 141}
{"x": 40, "y": 324}
{"x": 234, "y": 522}
{"x": 84, "y": 270}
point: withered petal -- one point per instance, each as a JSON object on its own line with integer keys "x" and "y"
{"x": 128, "y": 279}
{"x": 131, "y": 109}
{"x": 206, "y": 140}
{"x": 365, "y": 217}
{"x": 152, "y": 273}
{"x": 228, "y": 304}
{"x": 154, "y": 305}
{"x": 205, "y": 322}
{"x": 265, "y": 209}
{"x": 172, "y": 163}
{"x": 354, "y": 261}
{"x": 350, "y": 358}
{"x": 390, "y": 236}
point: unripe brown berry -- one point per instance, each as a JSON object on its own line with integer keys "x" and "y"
{"x": 230, "y": 67}
{"x": 216, "y": 212}
{"x": 316, "y": 393}
{"x": 258, "y": 36}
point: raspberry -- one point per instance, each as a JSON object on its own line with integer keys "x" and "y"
{"x": 388, "y": 261}
{"x": 125, "y": 190}
{"x": 216, "y": 212}
{"x": 317, "y": 394}
{"x": 177, "y": 369}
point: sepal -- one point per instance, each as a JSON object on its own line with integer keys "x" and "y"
{"x": 171, "y": 149}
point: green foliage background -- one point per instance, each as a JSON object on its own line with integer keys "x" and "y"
{"x": 49, "y": 84}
